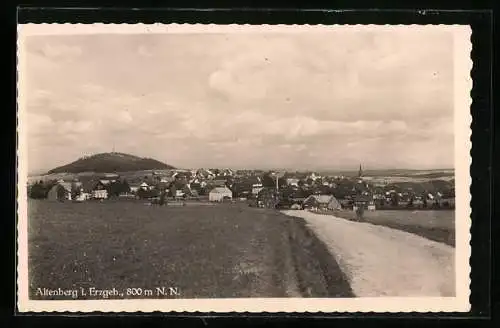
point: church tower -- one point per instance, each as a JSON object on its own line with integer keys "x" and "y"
{"x": 360, "y": 173}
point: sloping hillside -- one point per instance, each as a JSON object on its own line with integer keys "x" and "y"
{"x": 111, "y": 162}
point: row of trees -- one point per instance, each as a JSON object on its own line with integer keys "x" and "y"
{"x": 40, "y": 189}
{"x": 114, "y": 189}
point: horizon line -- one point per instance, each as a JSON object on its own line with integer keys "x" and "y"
{"x": 339, "y": 170}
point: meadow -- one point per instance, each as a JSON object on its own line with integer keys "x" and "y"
{"x": 435, "y": 225}
{"x": 222, "y": 251}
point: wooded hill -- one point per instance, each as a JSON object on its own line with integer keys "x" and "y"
{"x": 111, "y": 162}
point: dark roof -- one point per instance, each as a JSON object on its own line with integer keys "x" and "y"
{"x": 163, "y": 184}
{"x": 362, "y": 198}
{"x": 220, "y": 190}
{"x": 321, "y": 199}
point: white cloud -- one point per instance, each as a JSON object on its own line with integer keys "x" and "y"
{"x": 320, "y": 98}
{"x": 72, "y": 128}
{"x": 125, "y": 117}
{"x": 37, "y": 123}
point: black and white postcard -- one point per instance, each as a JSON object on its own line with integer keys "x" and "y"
{"x": 243, "y": 168}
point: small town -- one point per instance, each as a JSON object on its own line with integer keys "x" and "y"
{"x": 280, "y": 190}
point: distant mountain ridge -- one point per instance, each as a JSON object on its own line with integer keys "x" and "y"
{"x": 111, "y": 162}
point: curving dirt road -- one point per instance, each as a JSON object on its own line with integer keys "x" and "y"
{"x": 380, "y": 261}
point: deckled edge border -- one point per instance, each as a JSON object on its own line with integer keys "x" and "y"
{"x": 20, "y": 188}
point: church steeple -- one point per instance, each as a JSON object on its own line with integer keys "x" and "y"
{"x": 360, "y": 173}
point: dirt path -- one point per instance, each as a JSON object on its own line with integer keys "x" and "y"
{"x": 380, "y": 261}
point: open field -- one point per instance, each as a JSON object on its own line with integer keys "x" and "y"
{"x": 434, "y": 225}
{"x": 227, "y": 250}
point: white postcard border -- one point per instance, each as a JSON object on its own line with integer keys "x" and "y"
{"x": 462, "y": 121}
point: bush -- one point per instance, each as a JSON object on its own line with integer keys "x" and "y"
{"x": 38, "y": 191}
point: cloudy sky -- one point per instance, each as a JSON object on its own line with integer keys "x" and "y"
{"x": 315, "y": 100}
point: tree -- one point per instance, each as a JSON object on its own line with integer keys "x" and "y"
{"x": 268, "y": 181}
{"x": 360, "y": 210}
{"x": 145, "y": 193}
{"x": 163, "y": 197}
{"x": 282, "y": 182}
{"x": 394, "y": 199}
{"x": 75, "y": 191}
{"x": 125, "y": 186}
{"x": 410, "y": 202}
{"x": 113, "y": 189}
{"x": 61, "y": 193}
{"x": 37, "y": 190}
{"x": 173, "y": 190}
{"x": 142, "y": 193}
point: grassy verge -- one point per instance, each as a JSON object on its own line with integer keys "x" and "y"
{"x": 317, "y": 272}
{"x": 437, "y": 226}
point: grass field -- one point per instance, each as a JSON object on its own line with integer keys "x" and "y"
{"x": 435, "y": 225}
{"x": 228, "y": 250}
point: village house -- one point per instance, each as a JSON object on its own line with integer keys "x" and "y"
{"x": 99, "y": 191}
{"x": 219, "y": 182}
{"x": 256, "y": 188}
{"x": 218, "y": 194}
{"x": 313, "y": 176}
{"x": 106, "y": 182}
{"x": 60, "y": 191}
{"x": 83, "y": 196}
{"x": 145, "y": 186}
{"x": 94, "y": 189}
{"x": 166, "y": 179}
{"x": 447, "y": 199}
{"x": 134, "y": 187}
{"x": 322, "y": 202}
{"x": 179, "y": 193}
{"x": 204, "y": 174}
{"x": 162, "y": 186}
{"x": 418, "y": 202}
{"x": 363, "y": 201}
{"x": 346, "y": 202}
{"x": 226, "y": 172}
{"x": 80, "y": 194}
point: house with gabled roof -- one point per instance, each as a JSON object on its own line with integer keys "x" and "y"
{"x": 96, "y": 189}
{"x": 218, "y": 194}
{"x": 60, "y": 191}
{"x": 365, "y": 201}
{"x": 322, "y": 202}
